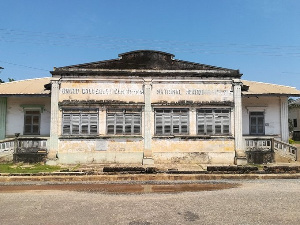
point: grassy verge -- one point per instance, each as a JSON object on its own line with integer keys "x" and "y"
{"x": 27, "y": 168}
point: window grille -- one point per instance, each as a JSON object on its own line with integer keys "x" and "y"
{"x": 80, "y": 122}
{"x": 171, "y": 121}
{"x": 213, "y": 121}
{"x": 123, "y": 121}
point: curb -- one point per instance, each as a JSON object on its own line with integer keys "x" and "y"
{"x": 145, "y": 177}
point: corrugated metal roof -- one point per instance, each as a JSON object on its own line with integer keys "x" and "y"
{"x": 36, "y": 87}
{"x": 25, "y": 87}
{"x": 259, "y": 88}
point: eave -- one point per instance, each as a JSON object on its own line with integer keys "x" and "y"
{"x": 271, "y": 94}
{"x": 25, "y": 95}
{"x": 144, "y": 73}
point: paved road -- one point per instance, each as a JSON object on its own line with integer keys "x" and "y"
{"x": 254, "y": 202}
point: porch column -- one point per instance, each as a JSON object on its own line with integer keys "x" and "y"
{"x": 284, "y": 119}
{"x": 3, "y": 107}
{"x": 53, "y": 145}
{"x": 240, "y": 154}
{"x": 147, "y": 159}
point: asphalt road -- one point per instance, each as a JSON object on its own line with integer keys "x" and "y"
{"x": 252, "y": 202}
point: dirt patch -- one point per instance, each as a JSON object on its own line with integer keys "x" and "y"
{"x": 121, "y": 188}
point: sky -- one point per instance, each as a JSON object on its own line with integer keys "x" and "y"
{"x": 261, "y": 38}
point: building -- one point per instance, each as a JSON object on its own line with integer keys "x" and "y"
{"x": 294, "y": 119}
{"x": 145, "y": 107}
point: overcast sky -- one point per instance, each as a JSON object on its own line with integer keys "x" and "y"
{"x": 261, "y": 38}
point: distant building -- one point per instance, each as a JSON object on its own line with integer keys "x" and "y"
{"x": 144, "y": 107}
{"x": 294, "y": 119}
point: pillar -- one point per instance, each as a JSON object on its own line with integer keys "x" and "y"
{"x": 240, "y": 154}
{"x": 284, "y": 119}
{"x": 3, "y": 108}
{"x": 53, "y": 145}
{"x": 147, "y": 159}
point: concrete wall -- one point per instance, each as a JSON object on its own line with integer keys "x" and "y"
{"x": 15, "y": 115}
{"x": 294, "y": 113}
{"x": 112, "y": 150}
{"x": 270, "y": 106}
{"x": 110, "y": 92}
{"x": 177, "y": 150}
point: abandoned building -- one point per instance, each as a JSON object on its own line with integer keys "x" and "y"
{"x": 144, "y": 107}
{"x": 294, "y": 119}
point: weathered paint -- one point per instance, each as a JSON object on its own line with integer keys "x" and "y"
{"x": 270, "y": 106}
{"x": 111, "y": 150}
{"x": 294, "y": 114}
{"x": 147, "y": 80}
{"x": 195, "y": 91}
{"x": 104, "y": 90}
{"x": 193, "y": 151}
{"x": 226, "y": 158}
{"x": 15, "y": 115}
{"x": 3, "y": 105}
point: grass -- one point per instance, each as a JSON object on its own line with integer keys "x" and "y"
{"x": 27, "y": 168}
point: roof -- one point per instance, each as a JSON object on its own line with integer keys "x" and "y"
{"x": 33, "y": 87}
{"x": 259, "y": 88}
{"x": 25, "y": 87}
{"x": 145, "y": 62}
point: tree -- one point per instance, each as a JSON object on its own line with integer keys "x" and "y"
{"x": 11, "y": 79}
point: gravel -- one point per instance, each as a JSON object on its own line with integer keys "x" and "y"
{"x": 254, "y": 202}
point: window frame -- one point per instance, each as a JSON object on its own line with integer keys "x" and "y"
{"x": 87, "y": 122}
{"x": 172, "y": 123}
{"x": 295, "y": 123}
{"x": 225, "y": 120}
{"x": 31, "y": 124}
{"x": 123, "y": 119}
{"x": 260, "y": 115}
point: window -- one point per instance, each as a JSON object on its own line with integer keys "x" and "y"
{"x": 213, "y": 121}
{"x": 257, "y": 122}
{"x": 171, "y": 121}
{"x": 32, "y": 120}
{"x": 295, "y": 123}
{"x": 80, "y": 122}
{"x": 123, "y": 121}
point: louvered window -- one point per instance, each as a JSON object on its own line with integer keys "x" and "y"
{"x": 124, "y": 121}
{"x": 171, "y": 121}
{"x": 213, "y": 121}
{"x": 80, "y": 122}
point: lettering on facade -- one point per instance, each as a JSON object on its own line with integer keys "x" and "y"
{"x": 101, "y": 91}
{"x": 207, "y": 92}
{"x": 168, "y": 92}
{"x": 192, "y": 92}
{"x": 70, "y": 90}
{"x": 117, "y": 91}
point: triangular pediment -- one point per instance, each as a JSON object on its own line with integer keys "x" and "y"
{"x": 145, "y": 60}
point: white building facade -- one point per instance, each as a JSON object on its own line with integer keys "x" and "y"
{"x": 148, "y": 108}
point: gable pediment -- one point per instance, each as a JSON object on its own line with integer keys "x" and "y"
{"x": 145, "y": 60}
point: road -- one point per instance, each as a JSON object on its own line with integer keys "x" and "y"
{"x": 249, "y": 202}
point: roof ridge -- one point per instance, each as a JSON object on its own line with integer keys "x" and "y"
{"x": 269, "y": 83}
{"x": 16, "y": 81}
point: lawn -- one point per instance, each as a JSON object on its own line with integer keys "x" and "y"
{"x": 27, "y": 168}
